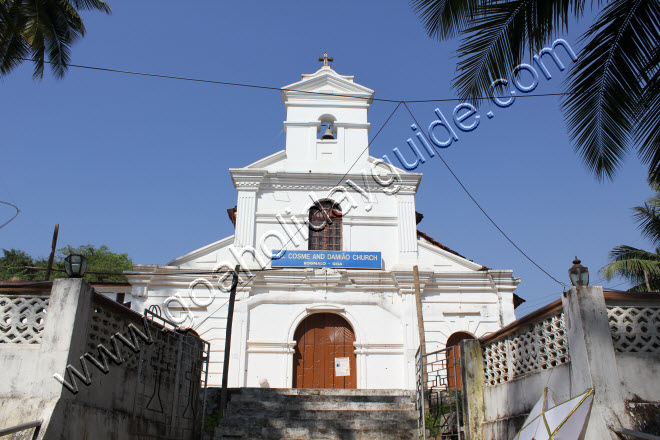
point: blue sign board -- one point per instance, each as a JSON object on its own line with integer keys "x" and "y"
{"x": 347, "y": 260}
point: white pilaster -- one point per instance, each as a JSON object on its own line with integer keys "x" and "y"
{"x": 245, "y": 217}
{"x": 407, "y": 229}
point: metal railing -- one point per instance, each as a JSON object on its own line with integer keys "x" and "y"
{"x": 439, "y": 400}
{"x": 636, "y": 434}
{"x": 23, "y": 427}
{"x": 419, "y": 396}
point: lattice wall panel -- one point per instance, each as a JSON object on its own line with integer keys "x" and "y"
{"x": 635, "y": 329}
{"x": 22, "y": 318}
{"x": 537, "y": 347}
{"x": 108, "y": 322}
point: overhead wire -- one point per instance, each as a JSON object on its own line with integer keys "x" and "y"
{"x": 13, "y": 217}
{"x": 541, "y": 300}
{"x": 170, "y": 273}
{"x": 477, "y": 203}
{"x": 282, "y": 89}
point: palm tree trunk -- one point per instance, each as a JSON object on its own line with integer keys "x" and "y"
{"x": 646, "y": 279}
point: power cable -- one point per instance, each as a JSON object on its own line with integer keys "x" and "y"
{"x": 477, "y": 203}
{"x": 258, "y": 86}
{"x": 15, "y": 215}
{"x": 172, "y": 273}
{"x": 539, "y": 301}
{"x": 210, "y": 81}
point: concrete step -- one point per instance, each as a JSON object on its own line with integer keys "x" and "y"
{"x": 264, "y": 406}
{"x": 304, "y": 433}
{"x": 312, "y": 399}
{"x": 319, "y": 424}
{"x": 303, "y": 414}
{"x": 325, "y": 392}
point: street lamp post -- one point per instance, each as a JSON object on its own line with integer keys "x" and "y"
{"x": 75, "y": 266}
{"x": 578, "y": 274}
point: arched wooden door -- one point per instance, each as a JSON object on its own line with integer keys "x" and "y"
{"x": 324, "y": 355}
{"x": 454, "y": 359}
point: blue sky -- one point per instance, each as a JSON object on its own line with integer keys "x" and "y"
{"x": 140, "y": 164}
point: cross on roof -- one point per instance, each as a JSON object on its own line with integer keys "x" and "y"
{"x": 325, "y": 59}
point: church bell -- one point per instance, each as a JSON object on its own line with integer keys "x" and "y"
{"x": 328, "y": 133}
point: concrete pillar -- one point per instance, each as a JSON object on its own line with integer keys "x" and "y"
{"x": 28, "y": 390}
{"x": 472, "y": 372}
{"x": 65, "y": 330}
{"x": 593, "y": 362}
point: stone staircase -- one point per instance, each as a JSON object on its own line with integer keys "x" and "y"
{"x": 269, "y": 413}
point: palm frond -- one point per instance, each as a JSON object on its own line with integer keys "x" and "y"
{"x": 632, "y": 270}
{"x": 648, "y": 221}
{"x": 66, "y": 27}
{"x": 35, "y": 33}
{"x": 633, "y": 264}
{"x": 624, "y": 252}
{"x": 44, "y": 30}
{"x": 647, "y": 130}
{"x": 501, "y": 33}
{"x": 444, "y": 19}
{"x": 13, "y": 47}
{"x": 605, "y": 83}
{"x": 97, "y": 5}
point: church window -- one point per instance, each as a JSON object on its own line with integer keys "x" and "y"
{"x": 325, "y": 226}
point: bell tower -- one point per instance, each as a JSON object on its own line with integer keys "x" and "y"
{"x": 326, "y": 121}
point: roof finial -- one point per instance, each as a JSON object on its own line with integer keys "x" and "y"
{"x": 325, "y": 59}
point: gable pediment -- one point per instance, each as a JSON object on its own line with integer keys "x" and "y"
{"x": 325, "y": 80}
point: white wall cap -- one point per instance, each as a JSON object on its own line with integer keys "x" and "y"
{"x": 225, "y": 242}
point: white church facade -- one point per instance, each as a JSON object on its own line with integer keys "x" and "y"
{"x": 338, "y": 308}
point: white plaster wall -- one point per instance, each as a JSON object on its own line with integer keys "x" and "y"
{"x": 381, "y": 303}
{"x": 379, "y": 336}
{"x": 639, "y": 373}
{"x": 307, "y": 113}
{"x": 366, "y": 226}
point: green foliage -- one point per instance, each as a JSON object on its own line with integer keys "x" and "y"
{"x": 11, "y": 264}
{"x": 212, "y": 421}
{"x": 106, "y": 265}
{"x": 636, "y": 265}
{"x": 640, "y": 267}
{"x": 440, "y": 417}
{"x": 433, "y": 423}
{"x": 41, "y": 30}
{"x": 612, "y": 104}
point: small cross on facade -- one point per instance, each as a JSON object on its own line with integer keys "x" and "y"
{"x": 325, "y": 59}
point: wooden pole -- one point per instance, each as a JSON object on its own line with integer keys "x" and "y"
{"x": 52, "y": 252}
{"x": 422, "y": 337}
{"x": 230, "y": 320}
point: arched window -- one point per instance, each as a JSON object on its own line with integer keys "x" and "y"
{"x": 326, "y": 129}
{"x": 325, "y": 226}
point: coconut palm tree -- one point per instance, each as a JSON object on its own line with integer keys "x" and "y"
{"x": 612, "y": 104}
{"x": 43, "y": 31}
{"x": 640, "y": 267}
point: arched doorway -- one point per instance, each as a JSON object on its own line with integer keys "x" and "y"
{"x": 453, "y": 358}
{"x": 324, "y": 354}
